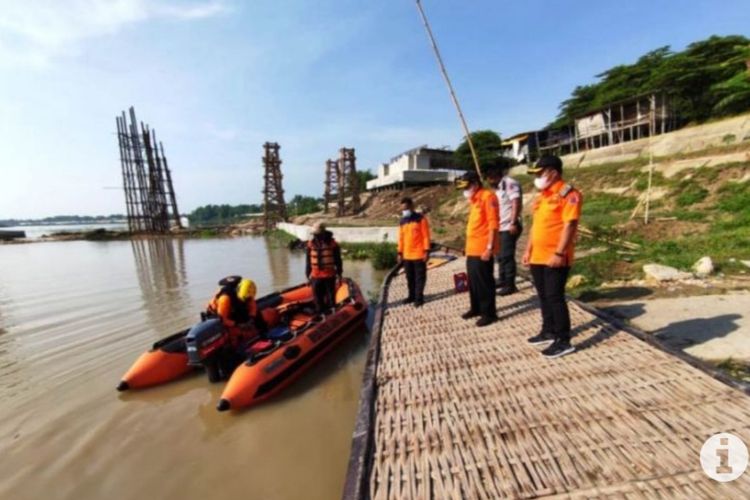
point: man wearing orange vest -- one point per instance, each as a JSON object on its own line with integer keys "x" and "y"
{"x": 549, "y": 252}
{"x": 414, "y": 250}
{"x": 323, "y": 266}
{"x": 481, "y": 246}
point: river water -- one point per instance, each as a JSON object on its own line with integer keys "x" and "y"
{"x": 75, "y": 315}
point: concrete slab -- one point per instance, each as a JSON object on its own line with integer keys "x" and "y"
{"x": 710, "y": 327}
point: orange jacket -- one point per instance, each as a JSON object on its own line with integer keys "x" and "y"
{"x": 553, "y": 208}
{"x": 232, "y": 311}
{"x": 323, "y": 257}
{"x": 414, "y": 237}
{"x": 484, "y": 220}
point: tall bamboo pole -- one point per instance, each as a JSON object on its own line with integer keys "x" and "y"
{"x": 450, "y": 88}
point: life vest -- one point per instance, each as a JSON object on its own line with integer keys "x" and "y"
{"x": 322, "y": 260}
{"x": 240, "y": 311}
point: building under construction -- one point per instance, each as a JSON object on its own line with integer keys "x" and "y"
{"x": 150, "y": 200}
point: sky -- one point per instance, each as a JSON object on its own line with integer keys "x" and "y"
{"x": 218, "y": 78}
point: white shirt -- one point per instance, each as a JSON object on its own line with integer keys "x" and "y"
{"x": 508, "y": 190}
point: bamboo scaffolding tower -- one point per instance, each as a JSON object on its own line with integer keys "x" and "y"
{"x": 274, "y": 207}
{"x": 332, "y": 188}
{"x": 454, "y": 411}
{"x": 147, "y": 181}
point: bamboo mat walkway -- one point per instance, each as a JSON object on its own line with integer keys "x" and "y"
{"x": 463, "y": 412}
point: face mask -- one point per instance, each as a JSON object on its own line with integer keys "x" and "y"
{"x": 468, "y": 193}
{"x": 406, "y": 213}
{"x": 542, "y": 183}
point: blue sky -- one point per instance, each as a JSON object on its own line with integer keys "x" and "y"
{"x": 217, "y": 78}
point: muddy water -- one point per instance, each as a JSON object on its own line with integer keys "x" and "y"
{"x": 74, "y": 316}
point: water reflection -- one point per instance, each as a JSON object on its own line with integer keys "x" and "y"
{"x": 278, "y": 262}
{"x": 162, "y": 276}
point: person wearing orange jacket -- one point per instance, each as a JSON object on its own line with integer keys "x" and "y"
{"x": 235, "y": 304}
{"x": 414, "y": 250}
{"x": 481, "y": 246}
{"x": 323, "y": 266}
{"x": 549, "y": 252}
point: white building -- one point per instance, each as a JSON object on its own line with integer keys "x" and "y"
{"x": 418, "y": 166}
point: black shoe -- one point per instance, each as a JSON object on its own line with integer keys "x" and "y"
{"x": 418, "y": 303}
{"x": 507, "y": 290}
{"x": 485, "y": 320}
{"x": 408, "y": 300}
{"x": 469, "y": 315}
{"x": 557, "y": 349}
{"x": 542, "y": 338}
{"x": 500, "y": 284}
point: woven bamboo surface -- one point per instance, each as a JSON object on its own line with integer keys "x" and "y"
{"x": 466, "y": 412}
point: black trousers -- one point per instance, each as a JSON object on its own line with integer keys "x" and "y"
{"x": 507, "y": 258}
{"x": 416, "y": 277}
{"x": 324, "y": 290}
{"x": 481, "y": 286}
{"x": 550, "y": 286}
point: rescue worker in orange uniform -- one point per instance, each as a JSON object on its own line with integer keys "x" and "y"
{"x": 414, "y": 250}
{"x": 323, "y": 266}
{"x": 482, "y": 244}
{"x": 235, "y": 304}
{"x": 549, "y": 252}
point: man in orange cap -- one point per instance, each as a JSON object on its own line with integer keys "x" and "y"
{"x": 549, "y": 252}
{"x": 481, "y": 246}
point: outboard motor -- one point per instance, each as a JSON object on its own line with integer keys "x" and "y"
{"x": 208, "y": 346}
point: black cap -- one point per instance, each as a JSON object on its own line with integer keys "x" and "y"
{"x": 467, "y": 179}
{"x": 230, "y": 281}
{"x": 547, "y": 161}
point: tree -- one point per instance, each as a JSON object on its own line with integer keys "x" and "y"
{"x": 488, "y": 146}
{"x": 301, "y": 205}
{"x": 362, "y": 177}
{"x": 706, "y": 79}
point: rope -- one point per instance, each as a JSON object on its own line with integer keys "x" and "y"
{"x": 450, "y": 89}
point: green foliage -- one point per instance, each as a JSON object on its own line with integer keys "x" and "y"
{"x": 600, "y": 209}
{"x": 734, "y": 197}
{"x": 729, "y": 139}
{"x": 690, "y": 193}
{"x": 487, "y": 144}
{"x": 707, "y": 79}
{"x": 362, "y": 177}
{"x": 280, "y": 238}
{"x": 217, "y": 214}
{"x": 301, "y": 205}
{"x": 383, "y": 255}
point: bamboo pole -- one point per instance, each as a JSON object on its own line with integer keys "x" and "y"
{"x": 450, "y": 89}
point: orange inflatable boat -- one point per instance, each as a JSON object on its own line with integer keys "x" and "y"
{"x": 262, "y": 366}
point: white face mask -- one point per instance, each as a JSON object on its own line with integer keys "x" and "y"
{"x": 406, "y": 213}
{"x": 542, "y": 183}
{"x": 468, "y": 193}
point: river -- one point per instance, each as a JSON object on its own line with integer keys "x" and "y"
{"x": 74, "y": 316}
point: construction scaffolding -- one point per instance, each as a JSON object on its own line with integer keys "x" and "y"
{"x": 331, "y": 192}
{"x": 150, "y": 200}
{"x": 348, "y": 183}
{"x": 274, "y": 207}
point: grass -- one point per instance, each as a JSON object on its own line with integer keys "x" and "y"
{"x": 690, "y": 193}
{"x": 280, "y": 238}
{"x": 382, "y": 255}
